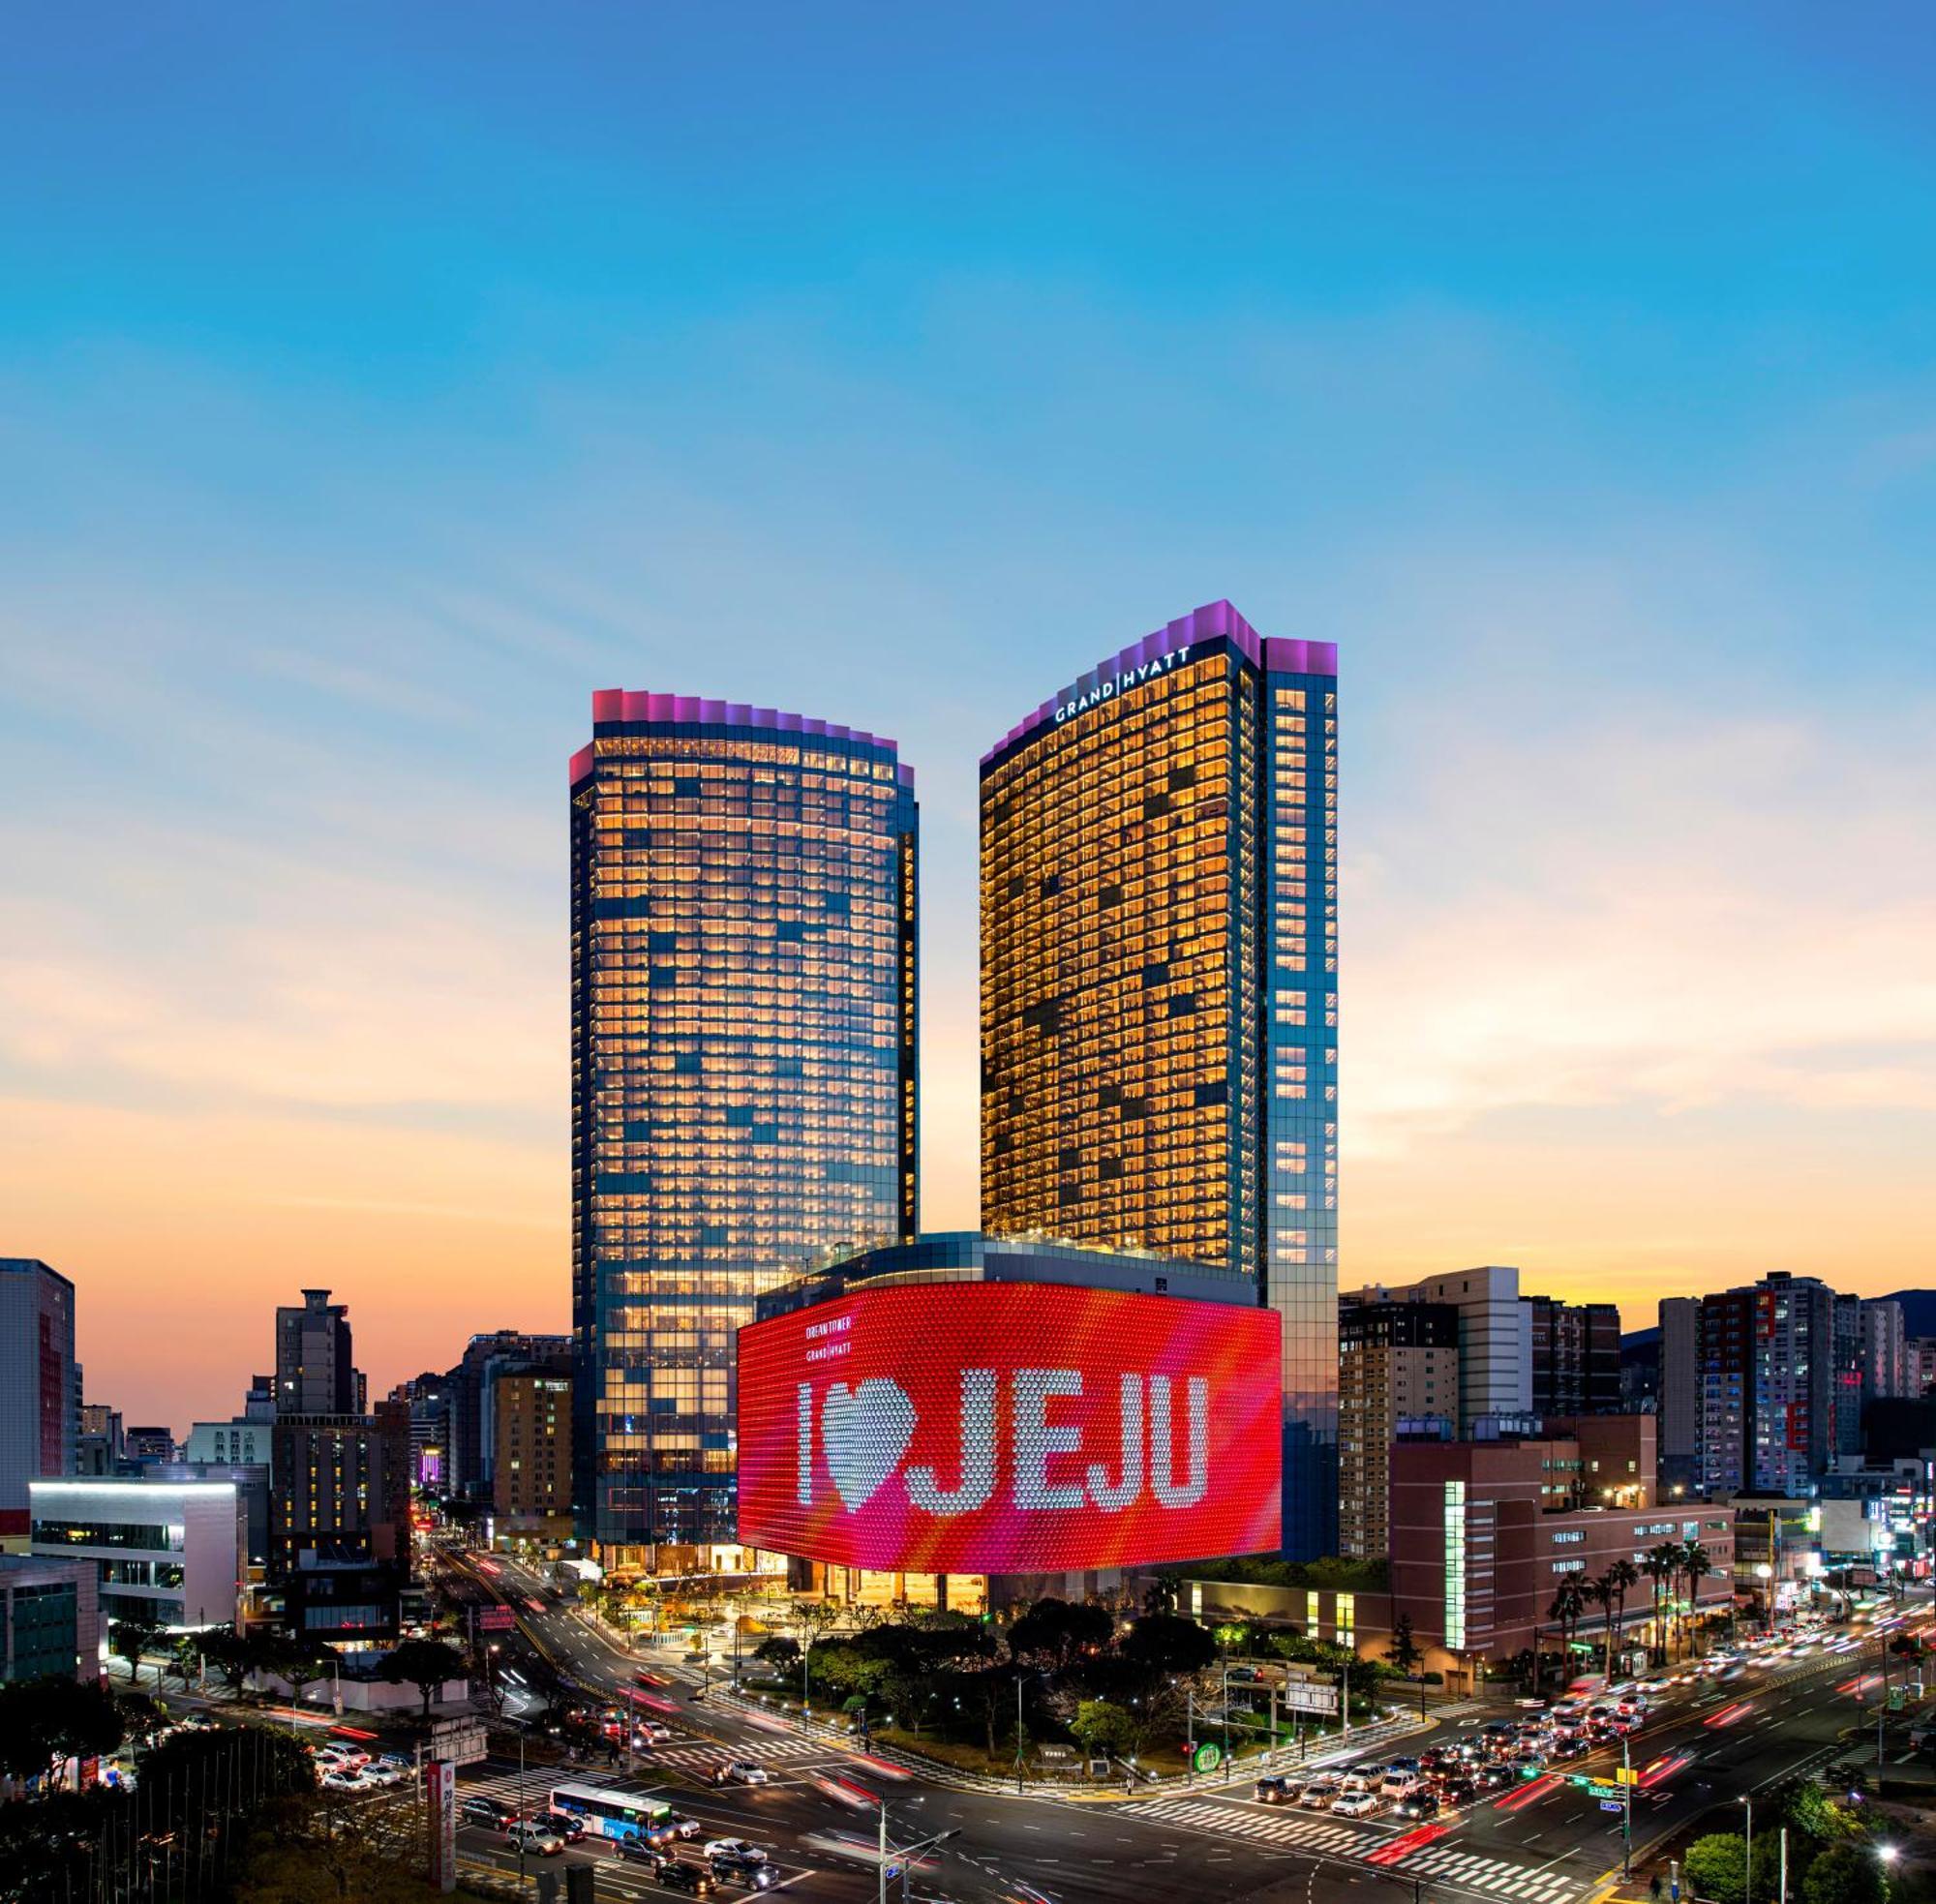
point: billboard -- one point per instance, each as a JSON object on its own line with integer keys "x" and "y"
{"x": 1010, "y": 1428}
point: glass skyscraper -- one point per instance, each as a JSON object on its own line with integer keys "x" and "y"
{"x": 744, "y": 1093}
{"x": 1160, "y": 985}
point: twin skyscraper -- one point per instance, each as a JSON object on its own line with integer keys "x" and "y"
{"x": 1158, "y": 922}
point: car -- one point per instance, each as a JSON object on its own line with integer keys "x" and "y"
{"x": 1456, "y": 1791}
{"x": 741, "y": 1772}
{"x": 1654, "y": 1686}
{"x": 683, "y": 1826}
{"x": 1494, "y": 1777}
{"x": 1570, "y": 1747}
{"x": 1317, "y": 1794}
{"x": 344, "y": 1778}
{"x": 527, "y": 1834}
{"x": 480, "y": 1811}
{"x": 754, "y": 1872}
{"x": 1355, "y": 1805}
{"x": 1529, "y": 1767}
{"x": 1418, "y": 1804}
{"x": 1400, "y": 1784}
{"x": 382, "y": 1774}
{"x": 1625, "y": 1723}
{"x": 648, "y": 1679}
{"x": 638, "y": 1849}
{"x": 568, "y": 1824}
{"x": 733, "y": 1848}
{"x": 649, "y": 1731}
{"x": 675, "y": 1874}
{"x": 1274, "y": 1791}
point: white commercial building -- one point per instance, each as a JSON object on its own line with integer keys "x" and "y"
{"x": 1495, "y": 1336}
{"x": 172, "y": 1551}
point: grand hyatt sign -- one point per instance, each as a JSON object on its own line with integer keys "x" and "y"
{"x": 1075, "y": 701}
{"x": 1010, "y": 1428}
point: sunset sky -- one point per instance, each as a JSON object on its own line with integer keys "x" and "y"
{"x": 373, "y": 388}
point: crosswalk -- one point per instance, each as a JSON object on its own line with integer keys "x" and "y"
{"x": 691, "y": 1755}
{"x": 1315, "y": 1831}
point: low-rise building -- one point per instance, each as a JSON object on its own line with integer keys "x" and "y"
{"x": 48, "y": 1619}
{"x": 171, "y": 1551}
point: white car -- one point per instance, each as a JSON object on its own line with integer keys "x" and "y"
{"x": 344, "y": 1778}
{"x": 1654, "y": 1686}
{"x": 382, "y": 1774}
{"x": 741, "y": 1772}
{"x": 1355, "y": 1805}
{"x": 734, "y": 1848}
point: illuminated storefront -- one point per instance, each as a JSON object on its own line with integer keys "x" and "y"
{"x": 1160, "y": 987}
{"x": 743, "y": 1071}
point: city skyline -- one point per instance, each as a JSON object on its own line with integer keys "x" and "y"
{"x": 341, "y": 482}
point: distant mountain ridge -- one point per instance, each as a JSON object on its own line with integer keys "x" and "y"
{"x": 1918, "y": 1310}
{"x": 1918, "y": 1319}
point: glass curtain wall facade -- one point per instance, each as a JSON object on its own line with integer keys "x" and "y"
{"x": 1160, "y": 987}
{"x": 744, "y": 1092}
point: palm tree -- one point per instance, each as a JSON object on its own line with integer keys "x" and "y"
{"x": 1661, "y": 1565}
{"x": 1695, "y": 1561}
{"x": 1568, "y": 1604}
{"x": 1600, "y": 1590}
{"x": 1623, "y": 1577}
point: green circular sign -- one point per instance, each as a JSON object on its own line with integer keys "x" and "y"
{"x": 1207, "y": 1757}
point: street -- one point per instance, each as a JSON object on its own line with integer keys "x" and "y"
{"x": 1545, "y": 1842}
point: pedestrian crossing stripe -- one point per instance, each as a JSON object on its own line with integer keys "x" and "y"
{"x": 1471, "y": 1869}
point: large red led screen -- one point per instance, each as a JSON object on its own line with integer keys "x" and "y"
{"x": 1010, "y": 1428}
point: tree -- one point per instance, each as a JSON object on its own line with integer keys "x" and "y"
{"x": 1623, "y": 1576}
{"x": 1102, "y": 1729}
{"x": 1569, "y": 1602}
{"x": 1717, "y": 1869}
{"x": 1403, "y": 1652}
{"x": 425, "y": 1663}
{"x": 1054, "y": 1632}
{"x": 141, "y": 1716}
{"x": 47, "y": 1721}
{"x": 1661, "y": 1565}
{"x": 185, "y": 1658}
{"x": 229, "y": 1653}
{"x": 1695, "y": 1562}
{"x": 1846, "y": 1874}
{"x": 1166, "y": 1642}
{"x": 779, "y": 1652}
{"x": 130, "y": 1639}
{"x": 1600, "y": 1591}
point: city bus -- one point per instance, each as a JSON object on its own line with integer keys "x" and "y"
{"x": 611, "y": 1814}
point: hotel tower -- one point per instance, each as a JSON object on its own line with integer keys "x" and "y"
{"x": 745, "y": 1096}
{"x": 1160, "y": 987}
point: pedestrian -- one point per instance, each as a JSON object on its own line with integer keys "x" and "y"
{"x": 1654, "y": 1889}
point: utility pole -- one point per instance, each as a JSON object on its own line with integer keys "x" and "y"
{"x": 1784, "y": 1865}
{"x": 1189, "y": 1735}
{"x": 1748, "y": 1879}
{"x": 1626, "y": 1811}
{"x": 1019, "y": 1735}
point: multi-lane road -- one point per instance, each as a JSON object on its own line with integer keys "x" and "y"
{"x": 1548, "y": 1843}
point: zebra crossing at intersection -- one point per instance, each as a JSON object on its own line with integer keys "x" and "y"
{"x": 1315, "y": 1831}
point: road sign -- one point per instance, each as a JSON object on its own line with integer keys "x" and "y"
{"x": 1612, "y": 1804}
{"x": 1307, "y": 1696}
{"x": 1596, "y": 1788}
{"x": 1207, "y": 1757}
{"x": 1626, "y": 1775}
{"x": 458, "y": 1741}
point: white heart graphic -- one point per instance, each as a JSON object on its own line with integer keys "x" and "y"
{"x": 866, "y": 1432}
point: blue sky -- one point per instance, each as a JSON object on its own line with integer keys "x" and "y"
{"x": 374, "y": 386}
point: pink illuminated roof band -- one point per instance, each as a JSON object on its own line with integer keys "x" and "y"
{"x": 613, "y": 706}
{"x": 1213, "y": 621}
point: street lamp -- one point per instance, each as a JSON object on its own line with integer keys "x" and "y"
{"x": 1747, "y": 1880}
